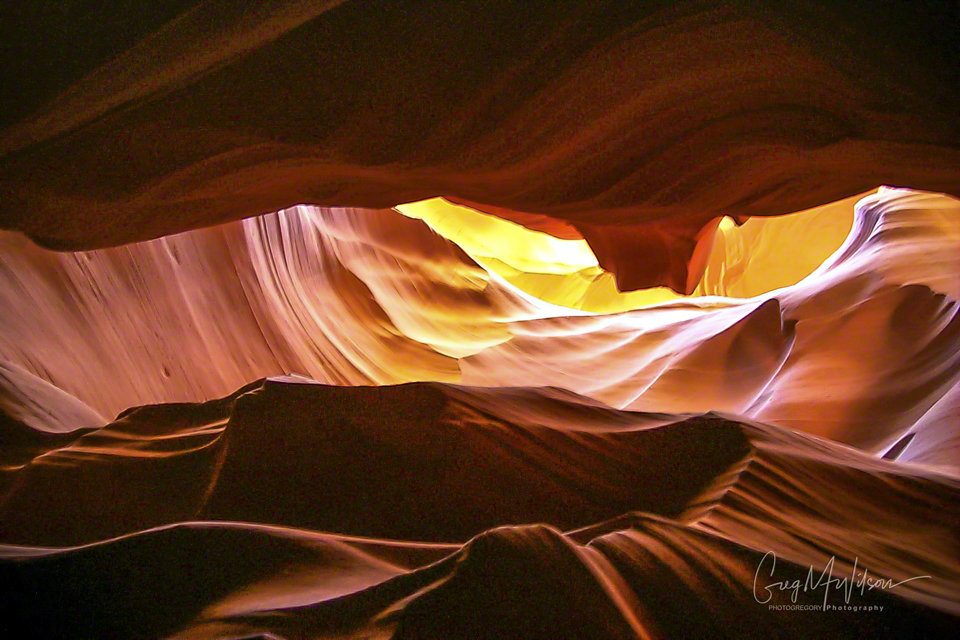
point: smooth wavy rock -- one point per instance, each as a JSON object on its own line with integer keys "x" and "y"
{"x": 933, "y": 439}
{"x": 331, "y": 421}
{"x": 879, "y": 320}
{"x": 635, "y": 127}
{"x": 347, "y": 299}
{"x": 379, "y": 298}
{"x": 745, "y": 260}
{"x": 36, "y": 418}
{"x": 546, "y": 514}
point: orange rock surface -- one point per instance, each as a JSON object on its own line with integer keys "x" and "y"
{"x": 355, "y": 319}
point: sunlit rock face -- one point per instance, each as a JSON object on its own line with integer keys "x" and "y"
{"x": 373, "y": 297}
{"x": 740, "y": 261}
{"x": 708, "y": 510}
{"x": 539, "y": 358}
{"x": 352, "y": 297}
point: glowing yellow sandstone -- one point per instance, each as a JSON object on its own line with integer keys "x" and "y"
{"x": 745, "y": 261}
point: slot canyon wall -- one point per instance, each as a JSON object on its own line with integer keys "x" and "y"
{"x": 257, "y": 379}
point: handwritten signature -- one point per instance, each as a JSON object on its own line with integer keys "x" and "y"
{"x": 862, "y": 582}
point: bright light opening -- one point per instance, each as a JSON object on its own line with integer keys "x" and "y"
{"x": 761, "y": 255}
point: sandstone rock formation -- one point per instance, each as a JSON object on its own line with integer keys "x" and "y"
{"x": 357, "y": 319}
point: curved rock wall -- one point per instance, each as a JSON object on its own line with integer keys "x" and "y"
{"x": 634, "y": 126}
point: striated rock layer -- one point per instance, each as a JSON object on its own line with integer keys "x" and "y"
{"x": 289, "y": 507}
{"x": 634, "y": 127}
{"x": 378, "y": 298}
{"x": 479, "y": 444}
{"x": 693, "y": 468}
